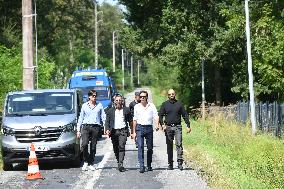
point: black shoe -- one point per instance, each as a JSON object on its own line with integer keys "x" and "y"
{"x": 180, "y": 167}
{"x": 142, "y": 169}
{"x": 149, "y": 168}
{"x": 170, "y": 167}
{"x": 121, "y": 169}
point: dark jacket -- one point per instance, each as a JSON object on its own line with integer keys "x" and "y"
{"x": 109, "y": 124}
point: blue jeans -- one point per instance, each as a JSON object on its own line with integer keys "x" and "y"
{"x": 144, "y": 131}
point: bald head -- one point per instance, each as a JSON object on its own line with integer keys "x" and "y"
{"x": 171, "y": 91}
{"x": 171, "y": 94}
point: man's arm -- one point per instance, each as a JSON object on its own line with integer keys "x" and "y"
{"x": 185, "y": 118}
{"x": 155, "y": 118}
{"x": 134, "y": 123}
{"x": 107, "y": 122}
{"x": 162, "y": 113}
{"x": 133, "y": 134}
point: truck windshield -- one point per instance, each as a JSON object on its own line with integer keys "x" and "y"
{"x": 102, "y": 92}
{"x": 40, "y": 103}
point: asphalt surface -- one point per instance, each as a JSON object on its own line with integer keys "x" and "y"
{"x": 64, "y": 176}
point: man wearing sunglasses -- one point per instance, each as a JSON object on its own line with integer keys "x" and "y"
{"x": 145, "y": 114}
{"x": 89, "y": 126}
{"x": 172, "y": 110}
{"x": 118, "y": 119}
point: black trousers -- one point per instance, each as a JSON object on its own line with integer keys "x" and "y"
{"x": 119, "y": 138}
{"x": 89, "y": 133}
{"x": 171, "y": 133}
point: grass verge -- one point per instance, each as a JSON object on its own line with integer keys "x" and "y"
{"x": 230, "y": 157}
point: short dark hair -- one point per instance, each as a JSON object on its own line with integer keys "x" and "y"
{"x": 143, "y": 92}
{"x": 137, "y": 93}
{"x": 92, "y": 92}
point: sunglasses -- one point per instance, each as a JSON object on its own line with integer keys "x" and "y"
{"x": 143, "y": 96}
{"x": 171, "y": 94}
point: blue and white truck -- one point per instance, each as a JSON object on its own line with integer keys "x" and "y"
{"x": 97, "y": 79}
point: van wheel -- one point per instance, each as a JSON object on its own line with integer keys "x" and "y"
{"x": 7, "y": 166}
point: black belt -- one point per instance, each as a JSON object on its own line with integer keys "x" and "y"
{"x": 145, "y": 125}
{"x": 92, "y": 125}
{"x": 121, "y": 128}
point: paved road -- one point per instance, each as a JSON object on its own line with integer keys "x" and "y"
{"x": 62, "y": 176}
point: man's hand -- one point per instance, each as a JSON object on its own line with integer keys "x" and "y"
{"x": 133, "y": 135}
{"x": 164, "y": 127}
{"x": 188, "y": 130}
{"x": 78, "y": 134}
{"x": 108, "y": 133}
{"x": 157, "y": 128}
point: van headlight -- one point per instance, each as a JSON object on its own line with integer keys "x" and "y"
{"x": 7, "y": 131}
{"x": 69, "y": 127}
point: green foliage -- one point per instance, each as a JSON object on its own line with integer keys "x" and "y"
{"x": 233, "y": 158}
{"x": 11, "y": 70}
{"x": 181, "y": 34}
{"x": 11, "y": 74}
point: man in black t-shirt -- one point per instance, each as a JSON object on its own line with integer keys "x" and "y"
{"x": 172, "y": 110}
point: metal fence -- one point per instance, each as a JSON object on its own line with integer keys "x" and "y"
{"x": 269, "y": 116}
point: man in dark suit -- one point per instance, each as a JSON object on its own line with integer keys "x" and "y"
{"x": 117, "y": 123}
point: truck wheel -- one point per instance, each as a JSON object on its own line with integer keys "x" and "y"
{"x": 7, "y": 166}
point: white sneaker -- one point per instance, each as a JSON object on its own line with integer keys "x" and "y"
{"x": 84, "y": 168}
{"x": 92, "y": 167}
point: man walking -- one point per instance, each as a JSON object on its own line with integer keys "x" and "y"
{"x": 131, "y": 107}
{"x": 173, "y": 109}
{"x": 88, "y": 126}
{"x": 144, "y": 114}
{"x": 117, "y": 123}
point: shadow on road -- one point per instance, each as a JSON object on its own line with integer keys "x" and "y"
{"x": 51, "y": 165}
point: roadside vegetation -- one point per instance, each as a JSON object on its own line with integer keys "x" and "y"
{"x": 229, "y": 156}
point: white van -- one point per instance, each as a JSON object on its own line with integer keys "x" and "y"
{"x": 46, "y": 118}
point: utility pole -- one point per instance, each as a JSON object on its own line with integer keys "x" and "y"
{"x": 131, "y": 68}
{"x": 96, "y": 35}
{"x": 36, "y": 47}
{"x": 251, "y": 90}
{"x": 122, "y": 66}
{"x": 203, "y": 91}
{"x": 113, "y": 50}
{"x": 28, "y": 66}
{"x": 138, "y": 65}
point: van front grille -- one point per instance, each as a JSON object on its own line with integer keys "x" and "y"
{"x": 44, "y": 135}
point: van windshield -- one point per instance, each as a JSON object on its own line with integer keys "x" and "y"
{"x": 103, "y": 93}
{"x": 40, "y": 103}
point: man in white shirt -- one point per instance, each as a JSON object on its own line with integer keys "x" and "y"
{"x": 117, "y": 127}
{"x": 145, "y": 114}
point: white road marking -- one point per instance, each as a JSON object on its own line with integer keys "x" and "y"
{"x": 91, "y": 183}
{"x": 87, "y": 179}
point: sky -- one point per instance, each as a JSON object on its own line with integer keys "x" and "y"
{"x": 112, "y": 2}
